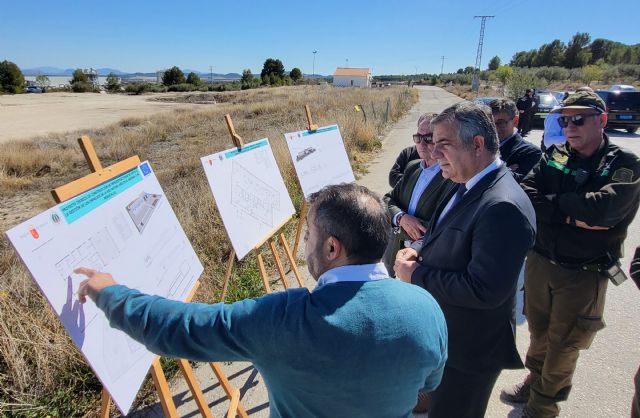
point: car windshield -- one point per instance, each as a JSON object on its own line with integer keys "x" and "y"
{"x": 547, "y": 100}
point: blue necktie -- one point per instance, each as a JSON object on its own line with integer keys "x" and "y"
{"x": 462, "y": 189}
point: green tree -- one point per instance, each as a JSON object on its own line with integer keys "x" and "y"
{"x": 272, "y": 72}
{"x": 494, "y": 63}
{"x": 113, "y": 83}
{"x": 550, "y": 55}
{"x": 577, "y": 54}
{"x": 247, "y": 81}
{"x": 173, "y": 75}
{"x": 504, "y": 73}
{"x": 79, "y": 77}
{"x": 194, "y": 79}
{"x": 11, "y": 78}
{"x": 43, "y": 81}
{"x": 296, "y": 75}
{"x": 469, "y": 70}
{"x": 591, "y": 73}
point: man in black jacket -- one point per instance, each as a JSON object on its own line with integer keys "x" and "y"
{"x": 526, "y": 106}
{"x": 408, "y": 154}
{"x": 585, "y": 194}
{"x": 519, "y": 155}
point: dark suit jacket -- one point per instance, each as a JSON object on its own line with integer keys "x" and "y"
{"x": 406, "y": 155}
{"x": 470, "y": 263}
{"x": 399, "y": 198}
{"x": 518, "y": 151}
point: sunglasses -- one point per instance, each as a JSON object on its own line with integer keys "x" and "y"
{"x": 427, "y": 139}
{"x": 577, "y": 120}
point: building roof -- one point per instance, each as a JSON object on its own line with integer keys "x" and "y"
{"x": 358, "y": 72}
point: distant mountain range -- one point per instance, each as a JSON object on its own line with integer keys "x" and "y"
{"x": 53, "y": 71}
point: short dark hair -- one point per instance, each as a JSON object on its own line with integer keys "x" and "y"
{"x": 504, "y": 105}
{"x": 356, "y": 217}
{"x": 471, "y": 119}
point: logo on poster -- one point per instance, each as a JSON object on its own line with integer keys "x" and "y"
{"x": 34, "y": 232}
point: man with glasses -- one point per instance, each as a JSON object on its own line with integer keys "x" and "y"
{"x": 585, "y": 194}
{"x": 407, "y": 155}
{"x": 519, "y": 155}
{"x": 413, "y": 200}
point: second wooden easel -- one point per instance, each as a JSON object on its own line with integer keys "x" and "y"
{"x": 239, "y": 143}
{"x": 98, "y": 176}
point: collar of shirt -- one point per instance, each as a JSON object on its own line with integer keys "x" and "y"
{"x": 507, "y": 139}
{"x": 353, "y": 273}
{"x": 475, "y": 179}
{"x": 431, "y": 169}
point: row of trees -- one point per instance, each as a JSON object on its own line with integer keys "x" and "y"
{"x": 579, "y": 52}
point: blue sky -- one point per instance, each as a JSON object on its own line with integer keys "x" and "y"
{"x": 388, "y": 37}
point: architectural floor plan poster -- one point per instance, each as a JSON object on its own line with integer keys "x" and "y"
{"x": 320, "y": 158}
{"x": 250, "y": 194}
{"x": 125, "y": 227}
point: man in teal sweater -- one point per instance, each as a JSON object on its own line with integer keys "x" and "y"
{"x": 359, "y": 345}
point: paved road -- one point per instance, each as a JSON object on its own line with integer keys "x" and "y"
{"x": 603, "y": 382}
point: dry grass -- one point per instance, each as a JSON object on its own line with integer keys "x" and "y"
{"x": 41, "y": 372}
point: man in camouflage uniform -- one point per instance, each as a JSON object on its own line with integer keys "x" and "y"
{"x": 585, "y": 194}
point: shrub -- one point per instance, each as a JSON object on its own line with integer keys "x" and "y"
{"x": 11, "y": 78}
{"x": 173, "y": 75}
{"x": 84, "y": 87}
{"x": 182, "y": 87}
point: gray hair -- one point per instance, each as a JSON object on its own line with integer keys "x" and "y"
{"x": 504, "y": 105}
{"x": 356, "y": 217}
{"x": 471, "y": 119}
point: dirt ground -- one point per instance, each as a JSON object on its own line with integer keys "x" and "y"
{"x": 24, "y": 116}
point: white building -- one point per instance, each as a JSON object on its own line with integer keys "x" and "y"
{"x": 352, "y": 77}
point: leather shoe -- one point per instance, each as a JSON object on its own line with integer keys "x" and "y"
{"x": 518, "y": 393}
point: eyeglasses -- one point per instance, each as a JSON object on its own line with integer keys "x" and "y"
{"x": 427, "y": 139}
{"x": 501, "y": 122}
{"x": 577, "y": 120}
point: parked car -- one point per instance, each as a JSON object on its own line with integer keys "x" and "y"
{"x": 545, "y": 102}
{"x": 484, "y": 100}
{"x": 33, "y": 89}
{"x": 622, "y": 87}
{"x": 623, "y": 108}
{"x": 561, "y": 95}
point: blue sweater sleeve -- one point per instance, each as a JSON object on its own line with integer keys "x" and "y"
{"x": 195, "y": 331}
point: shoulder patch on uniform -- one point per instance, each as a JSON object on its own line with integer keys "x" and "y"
{"x": 559, "y": 157}
{"x": 623, "y": 175}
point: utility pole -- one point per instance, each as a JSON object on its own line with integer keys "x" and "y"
{"x": 442, "y": 65}
{"x": 211, "y": 74}
{"x": 314, "y": 63}
{"x": 475, "y": 84}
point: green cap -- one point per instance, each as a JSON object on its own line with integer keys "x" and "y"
{"x": 583, "y": 100}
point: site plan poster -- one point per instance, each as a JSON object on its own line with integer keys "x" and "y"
{"x": 125, "y": 227}
{"x": 320, "y": 158}
{"x": 250, "y": 193}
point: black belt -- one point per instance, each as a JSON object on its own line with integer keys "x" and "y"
{"x": 595, "y": 267}
{"x": 598, "y": 268}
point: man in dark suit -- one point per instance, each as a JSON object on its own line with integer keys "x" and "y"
{"x": 470, "y": 258}
{"x": 519, "y": 155}
{"x": 414, "y": 199}
{"x": 408, "y": 154}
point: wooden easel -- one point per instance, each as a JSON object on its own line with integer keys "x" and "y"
{"x": 303, "y": 209}
{"x": 98, "y": 176}
{"x": 239, "y": 143}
